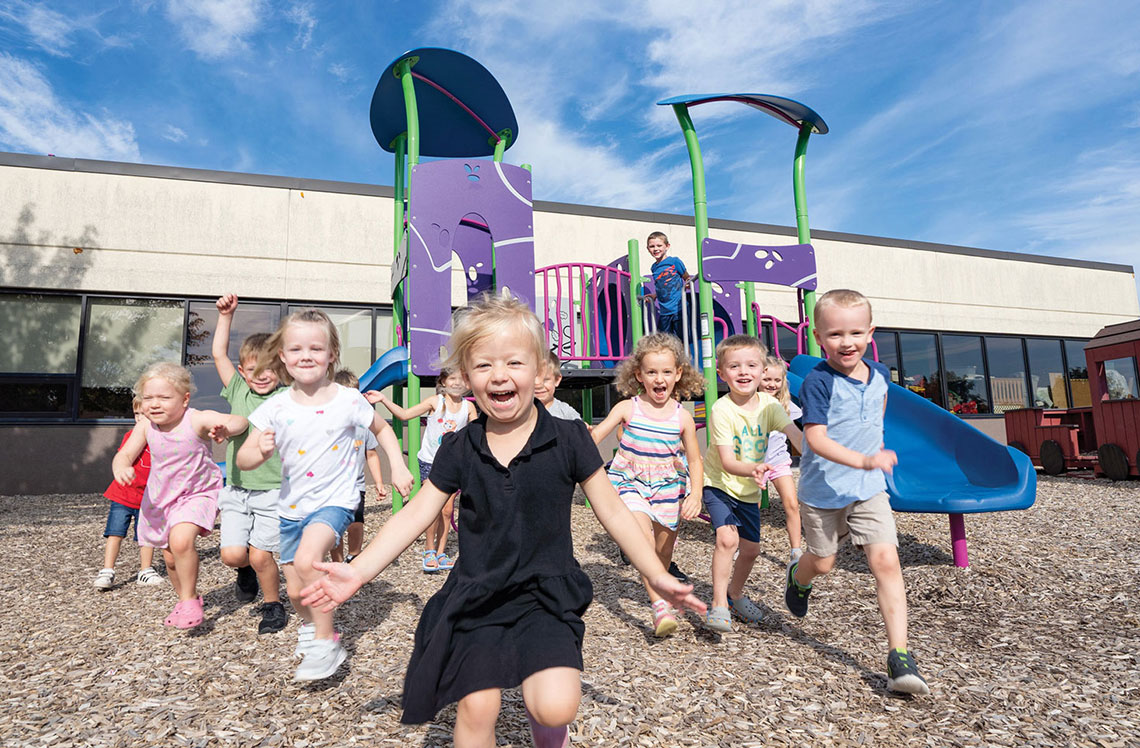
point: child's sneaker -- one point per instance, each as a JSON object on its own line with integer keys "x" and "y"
{"x": 246, "y": 587}
{"x": 348, "y": 558}
{"x": 305, "y": 634}
{"x": 902, "y": 673}
{"x": 664, "y": 619}
{"x": 149, "y": 577}
{"x": 795, "y": 596}
{"x": 105, "y": 579}
{"x": 273, "y": 618}
{"x": 677, "y": 574}
{"x": 323, "y": 657}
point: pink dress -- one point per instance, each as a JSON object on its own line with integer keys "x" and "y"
{"x": 183, "y": 485}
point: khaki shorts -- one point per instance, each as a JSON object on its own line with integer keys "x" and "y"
{"x": 865, "y": 522}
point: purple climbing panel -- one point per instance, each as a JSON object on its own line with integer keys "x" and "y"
{"x": 444, "y": 193}
{"x": 726, "y": 262}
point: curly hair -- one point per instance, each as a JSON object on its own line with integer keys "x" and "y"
{"x": 690, "y": 381}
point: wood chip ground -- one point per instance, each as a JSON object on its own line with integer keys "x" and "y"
{"x": 1037, "y": 644}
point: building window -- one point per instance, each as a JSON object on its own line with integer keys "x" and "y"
{"x": 250, "y": 318}
{"x": 1078, "y": 373}
{"x": 888, "y": 349}
{"x": 121, "y": 338}
{"x": 1120, "y": 379}
{"x": 1007, "y": 373}
{"x": 965, "y": 374}
{"x": 39, "y": 350}
{"x": 1046, "y": 374}
{"x": 921, "y": 372}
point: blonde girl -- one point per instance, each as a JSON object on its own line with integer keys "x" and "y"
{"x": 313, "y": 426}
{"x": 446, "y": 413}
{"x": 658, "y": 438}
{"x": 180, "y": 501}
{"x": 510, "y": 614}
{"x": 774, "y": 381}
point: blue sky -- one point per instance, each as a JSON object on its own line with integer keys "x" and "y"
{"x": 1004, "y": 125}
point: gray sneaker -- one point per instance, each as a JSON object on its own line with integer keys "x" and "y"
{"x": 323, "y": 657}
{"x": 105, "y": 579}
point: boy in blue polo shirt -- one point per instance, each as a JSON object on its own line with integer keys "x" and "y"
{"x": 843, "y": 491}
{"x": 670, "y": 278}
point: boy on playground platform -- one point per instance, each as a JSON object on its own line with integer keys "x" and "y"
{"x": 670, "y": 278}
{"x": 248, "y": 502}
{"x": 843, "y": 491}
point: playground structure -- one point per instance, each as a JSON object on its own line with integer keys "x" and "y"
{"x": 440, "y": 103}
{"x": 1105, "y": 436}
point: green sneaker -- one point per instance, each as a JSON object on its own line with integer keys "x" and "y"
{"x": 795, "y": 596}
{"x": 902, "y": 673}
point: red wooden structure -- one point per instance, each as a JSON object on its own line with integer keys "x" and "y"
{"x": 1105, "y": 436}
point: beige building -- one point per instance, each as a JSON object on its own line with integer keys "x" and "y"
{"x": 108, "y": 266}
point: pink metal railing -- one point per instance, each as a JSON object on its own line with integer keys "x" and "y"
{"x": 800, "y": 331}
{"x": 590, "y": 284}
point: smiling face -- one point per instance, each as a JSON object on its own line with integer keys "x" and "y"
{"x": 305, "y": 351}
{"x": 263, "y": 383}
{"x": 454, "y": 385}
{"x": 741, "y": 369}
{"x": 844, "y": 332}
{"x": 546, "y": 383}
{"x": 657, "y": 247}
{"x": 163, "y": 403}
{"x": 501, "y": 370}
{"x": 772, "y": 380}
{"x": 658, "y": 375}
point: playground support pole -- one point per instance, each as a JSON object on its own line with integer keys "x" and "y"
{"x": 701, "y": 220}
{"x": 404, "y": 70}
{"x": 803, "y": 231}
{"x": 635, "y": 320}
{"x": 401, "y": 144}
{"x": 958, "y": 540}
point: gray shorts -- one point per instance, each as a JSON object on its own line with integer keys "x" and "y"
{"x": 864, "y": 522}
{"x": 249, "y": 518}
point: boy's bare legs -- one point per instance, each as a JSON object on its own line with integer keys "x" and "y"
{"x": 883, "y": 558}
{"x": 811, "y": 566}
{"x": 475, "y": 718}
{"x": 111, "y": 551}
{"x": 745, "y": 560}
{"x": 727, "y": 543}
{"x": 146, "y": 557}
{"x": 267, "y": 576}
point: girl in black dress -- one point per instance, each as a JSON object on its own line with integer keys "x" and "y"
{"x": 510, "y": 614}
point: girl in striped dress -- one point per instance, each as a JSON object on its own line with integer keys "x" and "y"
{"x": 657, "y": 470}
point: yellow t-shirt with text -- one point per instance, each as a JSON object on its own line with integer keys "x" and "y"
{"x": 746, "y": 431}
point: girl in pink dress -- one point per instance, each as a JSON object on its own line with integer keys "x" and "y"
{"x": 181, "y": 497}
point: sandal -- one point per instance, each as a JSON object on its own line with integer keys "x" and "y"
{"x": 445, "y": 562}
{"x": 719, "y": 619}
{"x": 430, "y": 562}
{"x": 664, "y": 619}
{"x": 187, "y": 614}
{"x": 745, "y": 610}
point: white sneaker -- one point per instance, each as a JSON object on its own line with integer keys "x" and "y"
{"x": 323, "y": 657}
{"x": 149, "y": 577}
{"x": 105, "y": 579}
{"x": 305, "y": 634}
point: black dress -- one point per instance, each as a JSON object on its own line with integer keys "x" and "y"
{"x": 513, "y": 604}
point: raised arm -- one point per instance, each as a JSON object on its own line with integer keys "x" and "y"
{"x": 124, "y": 460}
{"x": 616, "y": 417}
{"x": 422, "y": 408}
{"x": 220, "y": 348}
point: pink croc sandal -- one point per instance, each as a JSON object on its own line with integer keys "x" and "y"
{"x": 186, "y": 614}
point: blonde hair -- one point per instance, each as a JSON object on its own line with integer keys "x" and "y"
{"x": 488, "y": 316}
{"x": 252, "y": 346}
{"x": 136, "y": 404}
{"x": 784, "y": 395}
{"x": 270, "y": 358}
{"x": 179, "y": 376}
{"x": 345, "y": 378}
{"x": 734, "y": 342}
{"x": 552, "y": 362}
{"x": 841, "y": 297}
{"x": 690, "y": 381}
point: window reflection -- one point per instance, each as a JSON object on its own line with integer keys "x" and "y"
{"x": 1046, "y": 374}
{"x": 1078, "y": 373}
{"x": 965, "y": 374}
{"x": 919, "y": 353}
{"x": 888, "y": 351}
{"x": 1120, "y": 378}
{"x": 1007, "y": 373}
{"x": 249, "y": 319}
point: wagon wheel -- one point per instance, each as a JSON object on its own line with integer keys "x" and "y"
{"x": 1019, "y": 447}
{"x": 1052, "y": 458}
{"x": 1113, "y": 461}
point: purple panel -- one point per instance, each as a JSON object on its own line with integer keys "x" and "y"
{"x": 727, "y": 262}
{"x": 472, "y": 243}
{"x": 442, "y": 193}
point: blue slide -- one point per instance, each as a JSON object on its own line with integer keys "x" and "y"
{"x": 391, "y": 368}
{"x": 945, "y": 464}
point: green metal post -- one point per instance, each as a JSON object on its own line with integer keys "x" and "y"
{"x": 404, "y": 71}
{"x": 635, "y": 320}
{"x": 803, "y": 232}
{"x": 398, "y": 315}
{"x": 701, "y": 219}
{"x": 750, "y": 324}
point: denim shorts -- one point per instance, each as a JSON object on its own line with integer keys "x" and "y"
{"x": 119, "y": 519}
{"x": 725, "y": 510}
{"x": 425, "y": 471}
{"x": 336, "y": 517}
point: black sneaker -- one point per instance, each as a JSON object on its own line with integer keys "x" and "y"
{"x": 273, "y": 618}
{"x": 348, "y": 558}
{"x": 795, "y": 596}
{"x": 679, "y": 575}
{"x": 246, "y": 587}
{"x": 902, "y": 673}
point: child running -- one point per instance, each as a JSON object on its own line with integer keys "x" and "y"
{"x": 739, "y": 425}
{"x": 181, "y": 497}
{"x": 658, "y": 438}
{"x": 355, "y": 534}
{"x": 774, "y": 381}
{"x": 125, "y": 501}
{"x": 312, "y": 425}
{"x": 447, "y": 412}
{"x": 841, "y": 475}
{"x": 511, "y": 612}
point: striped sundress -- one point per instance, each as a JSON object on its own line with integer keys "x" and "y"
{"x": 649, "y": 471}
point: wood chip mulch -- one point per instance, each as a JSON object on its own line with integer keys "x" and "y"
{"x": 1037, "y": 644}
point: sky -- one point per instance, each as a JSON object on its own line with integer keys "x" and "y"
{"x": 1012, "y": 126}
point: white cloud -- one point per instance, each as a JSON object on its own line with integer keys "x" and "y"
{"x": 340, "y": 71}
{"x": 174, "y": 134}
{"x": 301, "y": 15}
{"x": 52, "y": 31}
{"x": 215, "y": 28}
{"x": 33, "y": 119}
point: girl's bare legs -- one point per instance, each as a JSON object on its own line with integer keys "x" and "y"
{"x": 317, "y": 540}
{"x": 786, "y": 487}
{"x": 663, "y": 540}
{"x": 552, "y": 697}
{"x": 355, "y": 538}
{"x": 184, "y": 555}
{"x": 440, "y": 528}
{"x": 475, "y": 718}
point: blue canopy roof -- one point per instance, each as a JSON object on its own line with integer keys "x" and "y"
{"x": 786, "y": 110}
{"x": 446, "y": 82}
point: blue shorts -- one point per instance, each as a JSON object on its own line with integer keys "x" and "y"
{"x": 119, "y": 519}
{"x": 725, "y": 510}
{"x": 336, "y": 517}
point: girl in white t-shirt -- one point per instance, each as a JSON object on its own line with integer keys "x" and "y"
{"x": 312, "y": 424}
{"x": 446, "y": 412}
{"x": 774, "y": 381}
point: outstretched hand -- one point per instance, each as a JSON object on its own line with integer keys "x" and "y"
{"x": 340, "y": 583}
{"x": 679, "y": 595}
{"x": 373, "y": 396}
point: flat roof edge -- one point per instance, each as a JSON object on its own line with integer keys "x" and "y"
{"x": 94, "y": 166}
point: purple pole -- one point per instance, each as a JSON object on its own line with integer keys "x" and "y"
{"x": 958, "y": 540}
